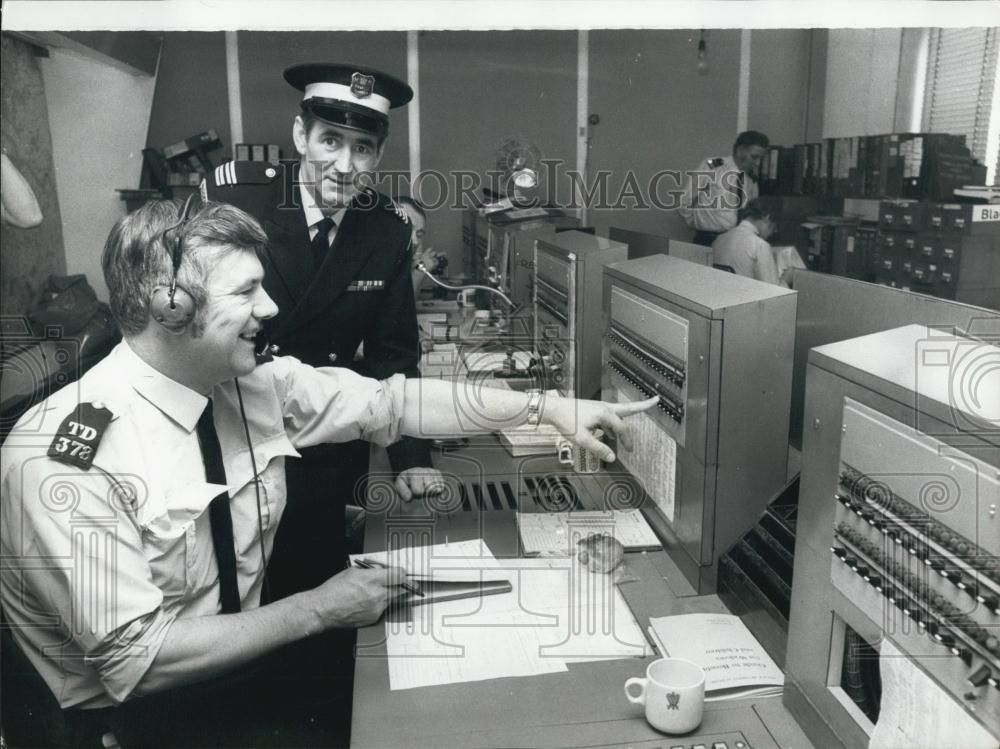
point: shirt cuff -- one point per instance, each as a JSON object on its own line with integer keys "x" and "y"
{"x": 386, "y": 417}
{"x": 130, "y": 651}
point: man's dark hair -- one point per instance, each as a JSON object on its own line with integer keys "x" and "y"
{"x": 755, "y": 210}
{"x": 309, "y": 121}
{"x": 750, "y": 138}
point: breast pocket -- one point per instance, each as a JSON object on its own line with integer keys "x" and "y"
{"x": 259, "y": 486}
{"x": 170, "y": 537}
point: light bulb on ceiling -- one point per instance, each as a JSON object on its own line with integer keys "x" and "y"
{"x": 702, "y": 55}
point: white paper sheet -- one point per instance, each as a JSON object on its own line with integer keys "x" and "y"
{"x": 557, "y": 613}
{"x": 557, "y": 533}
{"x": 652, "y": 459}
{"x": 460, "y": 561}
{"x": 915, "y": 713}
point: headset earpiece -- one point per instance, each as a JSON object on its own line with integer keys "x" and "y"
{"x": 173, "y": 308}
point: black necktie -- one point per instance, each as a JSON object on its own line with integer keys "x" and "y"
{"x": 219, "y": 513}
{"x": 321, "y": 242}
{"x": 740, "y": 191}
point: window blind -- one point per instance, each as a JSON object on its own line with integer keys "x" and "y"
{"x": 961, "y": 77}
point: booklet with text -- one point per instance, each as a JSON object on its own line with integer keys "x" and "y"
{"x": 735, "y": 664}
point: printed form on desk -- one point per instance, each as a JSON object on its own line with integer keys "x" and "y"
{"x": 557, "y": 533}
{"x": 557, "y": 613}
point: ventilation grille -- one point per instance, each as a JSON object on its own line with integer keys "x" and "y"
{"x": 551, "y": 493}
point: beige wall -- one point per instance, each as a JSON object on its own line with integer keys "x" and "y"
{"x": 477, "y": 88}
{"x": 862, "y": 73}
{"x": 779, "y": 83}
{"x": 98, "y": 116}
{"x": 658, "y": 113}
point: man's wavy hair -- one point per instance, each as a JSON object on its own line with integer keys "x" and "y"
{"x": 137, "y": 255}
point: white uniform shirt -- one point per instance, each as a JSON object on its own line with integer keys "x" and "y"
{"x": 314, "y": 215}
{"x": 710, "y": 200}
{"x": 746, "y": 252}
{"x": 99, "y": 562}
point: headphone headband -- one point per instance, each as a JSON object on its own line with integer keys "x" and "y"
{"x": 184, "y": 215}
{"x": 175, "y": 308}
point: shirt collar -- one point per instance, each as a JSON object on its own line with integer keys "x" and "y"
{"x": 178, "y": 402}
{"x": 749, "y": 226}
{"x": 313, "y": 214}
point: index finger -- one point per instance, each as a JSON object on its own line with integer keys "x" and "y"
{"x": 634, "y": 407}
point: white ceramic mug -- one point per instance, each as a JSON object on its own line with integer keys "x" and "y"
{"x": 673, "y": 693}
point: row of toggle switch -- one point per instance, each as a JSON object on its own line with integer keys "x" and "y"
{"x": 939, "y": 631}
{"x": 942, "y": 565}
{"x": 878, "y": 497}
{"x": 938, "y": 616}
{"x": 666, "y": 404}
{"x": 671, "y": 371}
{"x": 919, "y": 588}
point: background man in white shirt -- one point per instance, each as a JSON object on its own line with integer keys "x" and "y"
{"x": 745, "y": 248}
{"x": 720, "y": 186}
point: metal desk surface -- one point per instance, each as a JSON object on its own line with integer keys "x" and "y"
{"x": 583, "y": 707}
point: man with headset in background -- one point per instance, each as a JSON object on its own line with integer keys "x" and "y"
{"x": 141, "y": 502}
{"x": 339, "y": 266}
{"x": 716, "y": 190}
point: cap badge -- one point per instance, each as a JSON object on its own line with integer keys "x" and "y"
{"x": 362, "y": 85}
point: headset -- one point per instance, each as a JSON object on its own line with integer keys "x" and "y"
{"x": 172, "y": 306}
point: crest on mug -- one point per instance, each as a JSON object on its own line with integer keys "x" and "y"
{"x": 673, "y": 700}
{"x": 362, "y": 85}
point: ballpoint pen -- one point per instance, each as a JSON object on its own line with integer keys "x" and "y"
{"x": 368, "y": 564}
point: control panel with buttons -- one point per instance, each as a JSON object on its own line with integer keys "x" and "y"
{"x": 909, "y": 544}
{"x": 568, "y": 270}
{"x": 898, "y": 540}
{"x": 713, "y": 349}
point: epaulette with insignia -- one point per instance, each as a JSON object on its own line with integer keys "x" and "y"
{"x": 80, "y": 434}
{"x": 400, "y": 212}
{"x": 715, "y": 163}
{"x": 245, "y": 173}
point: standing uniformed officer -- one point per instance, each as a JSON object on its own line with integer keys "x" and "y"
{"x": 719, "y": 187}
{"x": 339, "y": 267}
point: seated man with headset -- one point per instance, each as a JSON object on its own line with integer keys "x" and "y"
{"x": 140, "y": 503}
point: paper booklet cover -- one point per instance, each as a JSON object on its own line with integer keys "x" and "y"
{"x": 735, "y": 664}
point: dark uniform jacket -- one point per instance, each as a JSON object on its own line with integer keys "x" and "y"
{"x": 362, "y": 292}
